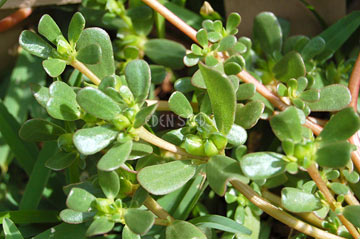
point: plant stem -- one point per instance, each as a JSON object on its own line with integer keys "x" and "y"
{"x": 153, "y": 139}
{"x": 315, "y": 175}
{"x": 88, "y": 73}
{"x": 175, "y": 20}
{"x": 155, "y": 207}
{"x": 354, "y": 83}
{"x": 161, "y": 222}
{"x": 279, "y": 214}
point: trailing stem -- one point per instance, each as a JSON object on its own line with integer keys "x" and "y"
{"x": 155, "y": 207}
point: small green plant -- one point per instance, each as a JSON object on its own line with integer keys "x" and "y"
{"x": 124, "y": 177}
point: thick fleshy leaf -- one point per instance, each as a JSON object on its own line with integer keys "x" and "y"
{"x": 290, "y": 66}
{"x": 158, "y": 74}
{"x": 54, "y": 67}
{"x": 339, "y": 188}
{"x": 183, "y": 229}
{"x": 233, "y": 21}
{"x": 220, "y": 223}
{"x": 97, "y": 103}
{"x": 227, "y": 43}
{"x": 41, "y": 94}
{"x": 237, "y": 135}
{"x": 140, "y": 150}
{"x": 245, "y": 91}
{"x": 91, "y": 54}
{"x": 115, "y": 157}
{"x": 341, "y": 126}
{"x": 62, "y": 104}
{"x": 248, "y": 115}
{"x": 221, "y": 169}
{"x": 287, "y": 125}
{"x": 144, "y": 115}
{"x": 352, "y": 214}
{"x": 165, "y": 178}
{"x": 98, "y": 36}
{"x": 314, "y": 47}
{"x": 311, "y": 95}
{"x": 296, "y": 200}
{"x": 165, "y": 52}
{"x": 184, "y": 85}
{"x": 139, "y": 221}
{"x": 109, "y": 183}
{"x": 75, "y": 217}
{"x": 138, "y": 77}
{"x": 128, "y": 234}
{"x": 267, "y": 31}
{"x": 333, "y": 154}
{"x": 37, "y": 130}
{"x": 49, "y": 29}
{"x": 10, "y": 230}
{"x": 262, "y": 165}
{"x": 332, "y": 98}
{"x": 37, "y": 46}
{"x": 222, "y": 97}
{"x": 61, "y": 160}
{"x": 180, "y": 105}
{"x": 139, "y": 198}
{"x": 100, "y": 226}
{"x": 79, "y": 200}
{"x": 91, "y": 140}
{"x": 76, "y": 26}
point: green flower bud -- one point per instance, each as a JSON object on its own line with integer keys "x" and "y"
{"x": 210, "y": 148}
{"x": 302, "y": 151}
{"x": 219, "y": 140}
{"x": 125, "y": 188}
{"x": 65, "y": 142}
{"x": 194, "y": 145}
{"x": 63, "y": 46}
{"x": 205, "y": 124}
{"x": 130, "y": 113}
{"x": 104, "y": 205}
{"x": 121, "y": 122}
{"x": 126, "y": 94}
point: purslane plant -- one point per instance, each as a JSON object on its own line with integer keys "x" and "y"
{"x": 101, "y": 123}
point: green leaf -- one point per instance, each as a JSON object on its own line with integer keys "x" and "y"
{"x": 41, "y": 94}
{"x": 54, "y": 67}
{"x": 76, "y": 26}
{"x": 128, "y": 234}
{"x": 296, "y": 200}
{"x": 220, "y": 170}
{"x": 180, "y": 105}
{"x": 62, "y": 104}
{"x": 336, "y": 35}
{"x": 144, "y": 115}
{"x": 183, "y": 229}
{"x": 352, "y": 214}
{"x": 332, "y": 98}
{"x": 248, "y": 115}
{"x": 287, "y": 125}
{"x": 341, "y": 126}
{"x": 227, "y": 43}
{"x": 98, "y": 36}
{"x": 37, "y": 130}
{"x": 165, "y": 178}
{"x": 220, "y": 223}
{"x": 132, "y": 220}
{"x": 222, "y": 97}
{"x": 115, "y": 156}
{"x": 91, "y": 140}
{"x": 97, "y": 103}
{"x": 237, "y": 135}
{"x": 61, "y": 160}
{"x": 267, "y": 32}
{"x": 139, "y": 198}
{"x": 311, "y": 95}
{"x": 233, "y": 21}
{"x": 49, "y": 29}
{"x": 30, "y": 216}
{"x": 38, "y": 179}
{"x": 37, "y": 46}
{"x": 290, "y": 66}
{"x": 138, "y": 77}
{"x": 262, "y": 165}
{"x": 62, "y": 231}
{"x": 165, "y": 52}
{"x": 339, "y": 188}
{"x": 202, "y": 38}
{"x": 333, "y": 154}
{"x": 109, "y": 183}
{"x": 184, "y": 85}
{"x": 91, "y": 54}
{"x": 314, "y": 47}
{"x": 100, "y": 226}
{"x": 158, "y": 74}
{"x": 75, "y": 217}
{"x": 80, "y": 200}
{"x": 10, "y": 230}
{"x": 245, "y": 91}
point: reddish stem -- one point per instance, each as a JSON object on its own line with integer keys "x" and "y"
{"x": 354, "y": 84}
{"x": 12, "y": 20}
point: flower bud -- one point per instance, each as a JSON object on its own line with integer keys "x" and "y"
{"x": 194, "y": 145}
{"x": 63, "y": 46}
{"x": 121, "y": 122}
{"x": 210, "y": 148}
{"x": 219, "y": 140}
{"x": 65, "y": 142}
{"x": 126, "y": 94}
{"x": 104, "y": 205}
